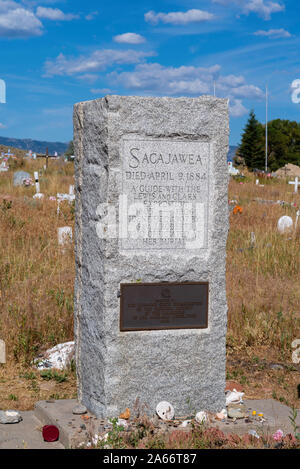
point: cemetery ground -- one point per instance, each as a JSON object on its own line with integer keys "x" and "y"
{"x": 37, "y": 277}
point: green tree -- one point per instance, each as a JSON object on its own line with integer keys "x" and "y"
{"x": 283, "y": 143}
{"x": 252, "y": 145}
{"x": 70, "y": 149}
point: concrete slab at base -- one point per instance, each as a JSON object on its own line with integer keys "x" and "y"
{"x": 26, "y": 434}
{"x": 276, "y": 415}
{"x": 59, "y": 413}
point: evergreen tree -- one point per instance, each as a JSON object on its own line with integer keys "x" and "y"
{"x": 70, "y": 149}
{"x": 283, "y": 143}
{"x": 252, "y": 146}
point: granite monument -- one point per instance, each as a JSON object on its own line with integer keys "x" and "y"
{"x": 150, "y": 235}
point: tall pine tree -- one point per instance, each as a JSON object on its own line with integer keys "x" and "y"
{"x": 252, "y": 146}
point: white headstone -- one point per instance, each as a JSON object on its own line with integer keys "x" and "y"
{"x": 37, "y": 184}
{"x": 20, "y": 177}
{"x": 2, "y": 352}
{"x": 3, "y": 167}
{"x": 232, "y": 170}
{"x": 295, "y": 183}
{"x": 62, "y": 197}
{"x": 285, "y": 224}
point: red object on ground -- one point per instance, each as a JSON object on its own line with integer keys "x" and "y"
{"x": 231, "y": 385}
{"x": 50, "y": 433}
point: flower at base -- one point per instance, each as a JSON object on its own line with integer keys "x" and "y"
{"x": 237, "y": 209}
{"x": 278, "y": 435}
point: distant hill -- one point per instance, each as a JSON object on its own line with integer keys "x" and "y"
{"x": 35, "y": 145}
{"x": 40, "y": 147}
{"x": 15, "y": 151}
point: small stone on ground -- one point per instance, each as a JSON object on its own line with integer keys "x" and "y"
{"x": 10, "y": 416}
{"x": 79, "y": 409}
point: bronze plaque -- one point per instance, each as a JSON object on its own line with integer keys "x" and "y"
{"x": 146, "y": 306}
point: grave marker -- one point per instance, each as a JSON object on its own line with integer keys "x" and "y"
{"x": 285, "y": 224}
{"x": 4, "y": 167}
{"x": 20, "y": 178}
{"x": 151, "y": 231}
{"x": 37, "y": 184}
{"x": 2, "y": 352}
{"x": 296, "y": 184}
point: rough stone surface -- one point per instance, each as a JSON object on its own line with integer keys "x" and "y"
{"x": 10, "y": 416}
{"x": 185, "y": 367}
{"x": 59, "y": 357}
{"x": 79, "y": 409}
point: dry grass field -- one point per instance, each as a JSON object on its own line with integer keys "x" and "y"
{"x": 263, "y": 291}
{"x": 36, "y": 288}
{"x": 36, "y": 283}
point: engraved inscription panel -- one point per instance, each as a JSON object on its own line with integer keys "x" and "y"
{"x": 164, "y": 306}
{"x": 166, "y": 186}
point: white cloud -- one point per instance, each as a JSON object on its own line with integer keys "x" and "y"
{"x": 189, "y": 81}
{"x": 88, "y": 77}
{"x": 91, "y": 16}
{"x": 97, "y": 61}
{"x": 262, "y": 8}
{"x": 101, "y": 91}
{"x": 16, "y": 21}
{"x": 129, "y": 38}
{"x": 54, "y": 14}
{"x": 274, "y": 33}
{"x": 2, "y": 126}
{"x": 179, "y": 17}
{"x": 236, "y": 108}
{"x": 168, "y": 80}
{"x": 243, "y": 91}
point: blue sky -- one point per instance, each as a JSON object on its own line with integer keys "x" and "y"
{"x": 56, "y": 53}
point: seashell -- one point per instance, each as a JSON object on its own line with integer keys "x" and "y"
{"x": 201, "y": 417}
{"x": 165, "y": 410}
